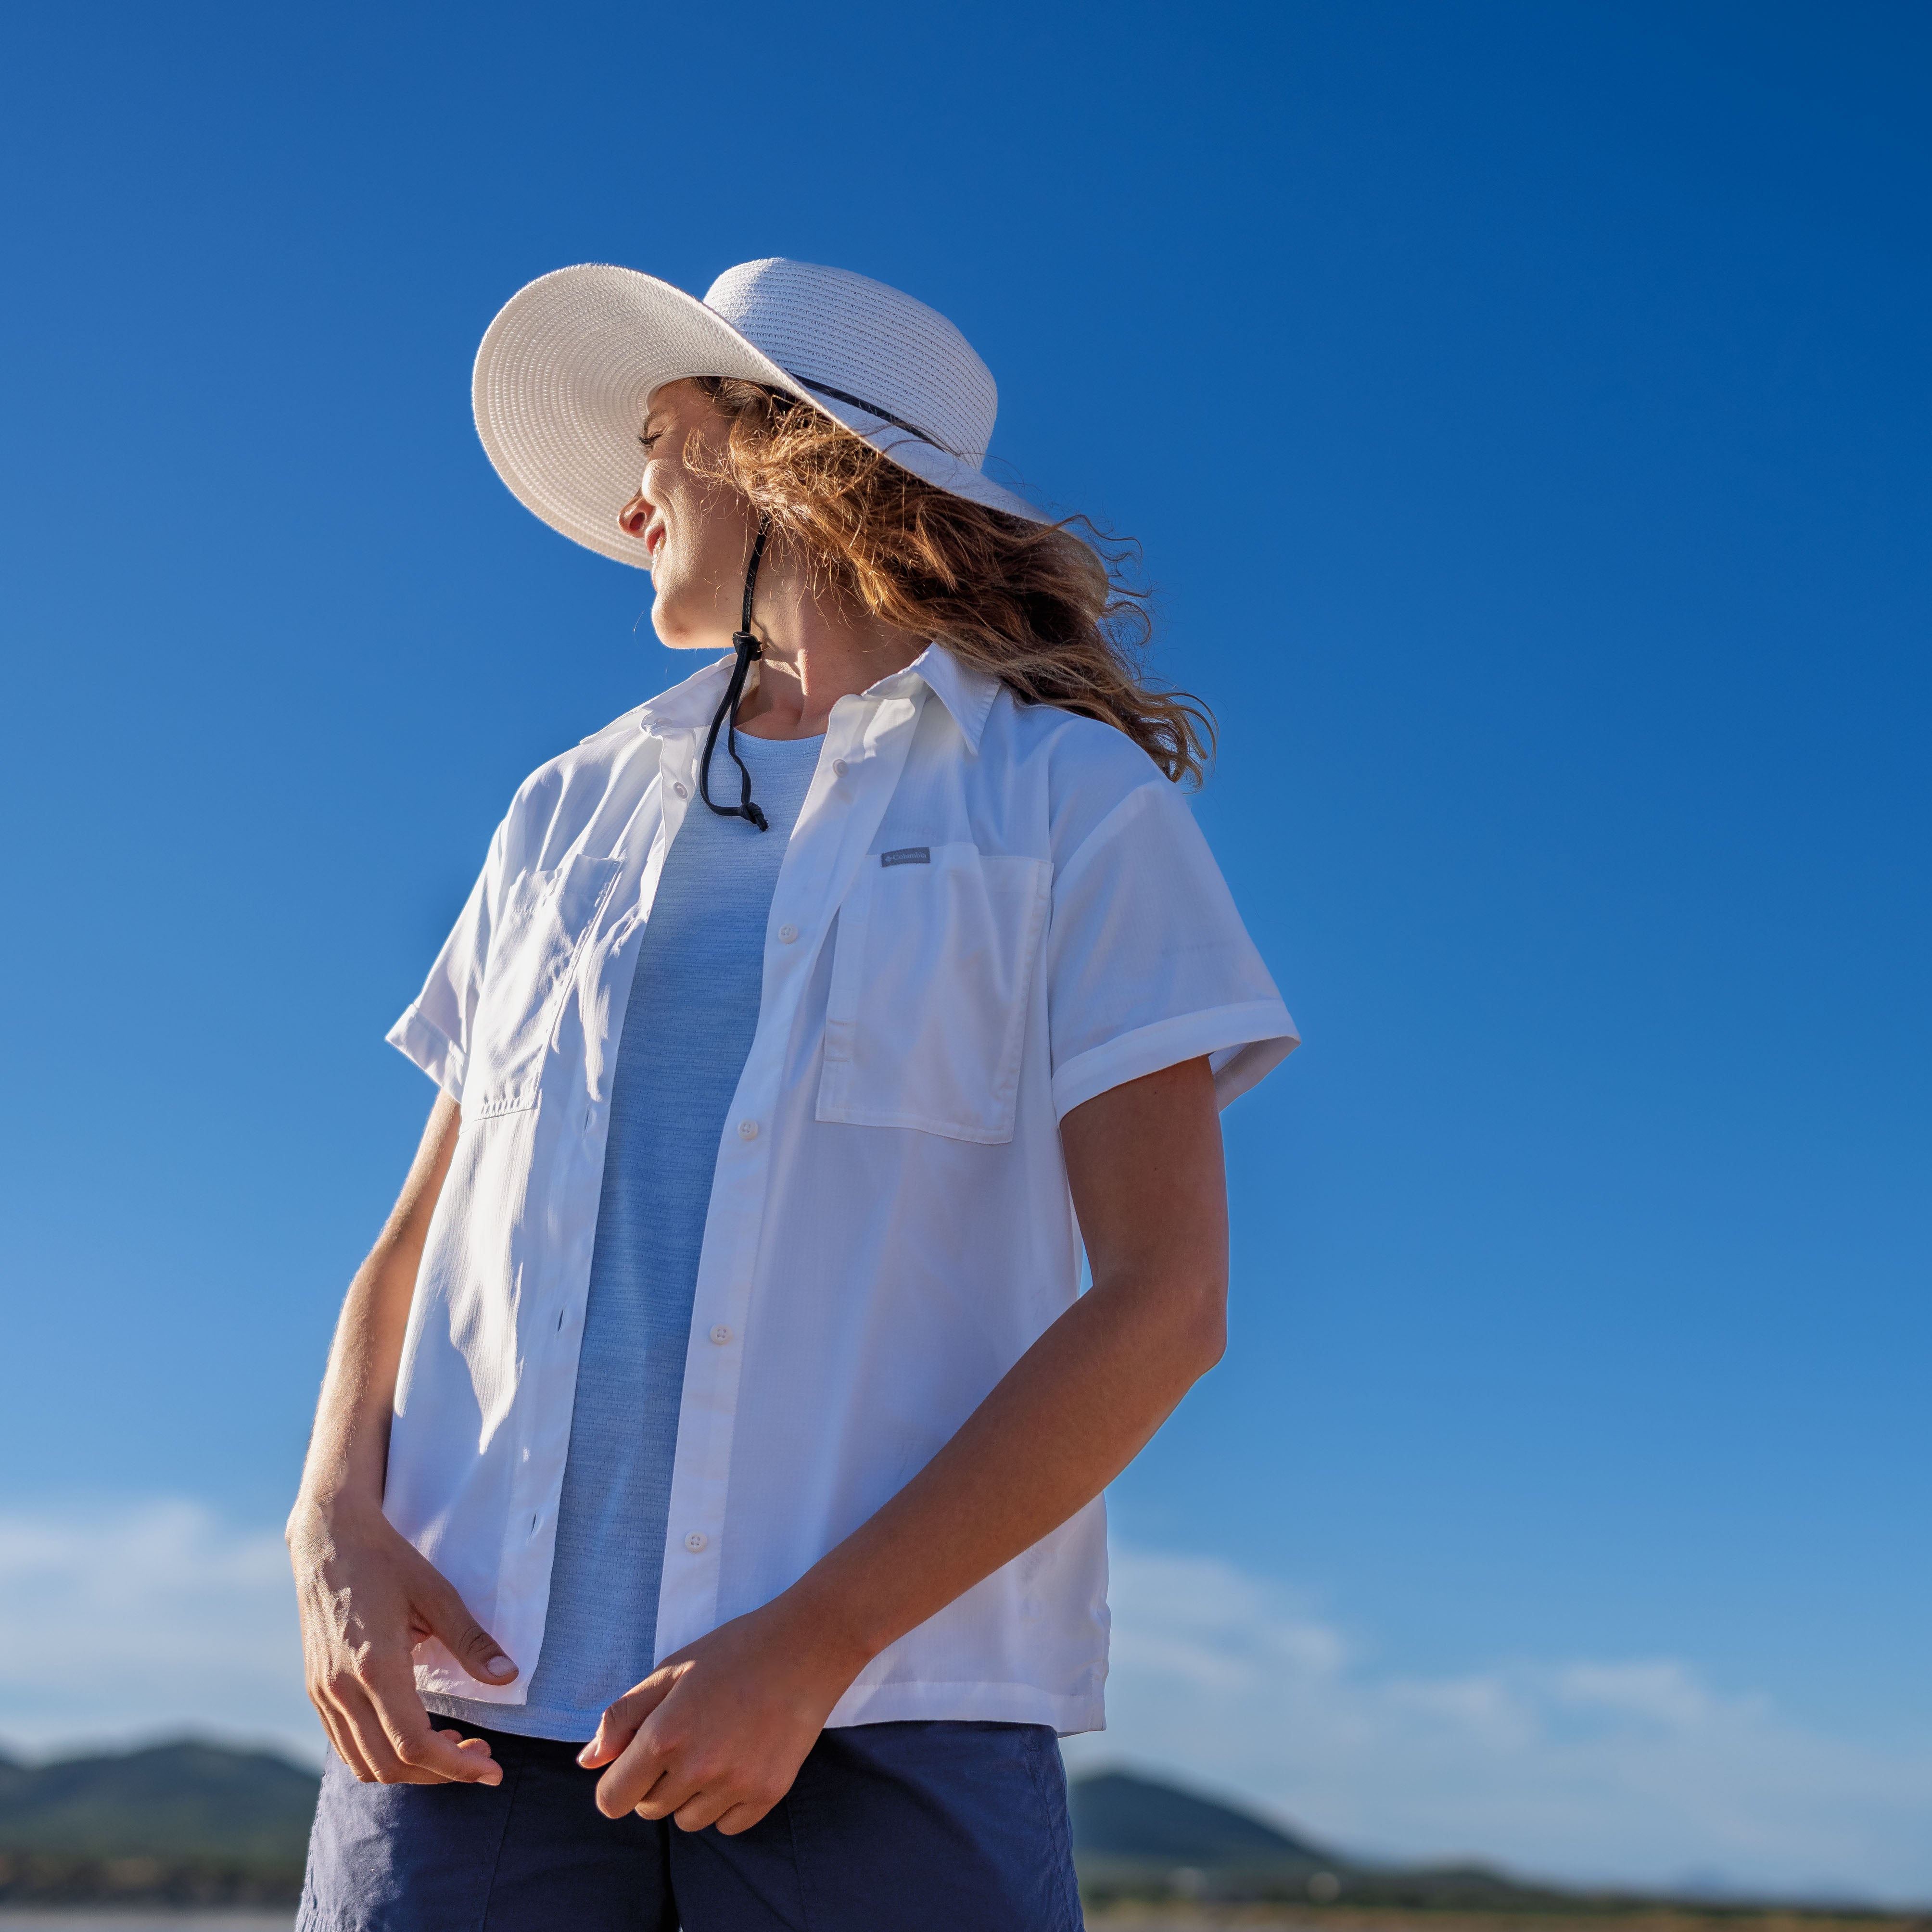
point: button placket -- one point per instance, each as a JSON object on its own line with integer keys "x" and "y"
{"x": 677, "y": 769}
{"x": 824, "y": 854}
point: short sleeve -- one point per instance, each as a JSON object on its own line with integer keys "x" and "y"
{"x": 1148, "y": 963}
{"x": 434, "y": 1031}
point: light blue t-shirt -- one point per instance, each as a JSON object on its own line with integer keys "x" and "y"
{"x": 694, "y": 1005}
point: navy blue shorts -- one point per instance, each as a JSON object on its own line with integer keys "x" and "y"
{"x": 918, "y": 1826}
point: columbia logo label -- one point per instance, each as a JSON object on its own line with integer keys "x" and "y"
{"x": 908, "y": 855}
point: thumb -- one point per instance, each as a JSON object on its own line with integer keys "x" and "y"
{"x": 449, "y": 1621}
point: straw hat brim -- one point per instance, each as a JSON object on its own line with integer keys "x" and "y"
{"x": 564, "y": 375}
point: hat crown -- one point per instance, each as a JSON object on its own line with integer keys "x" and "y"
{"x": 832, "y": 330}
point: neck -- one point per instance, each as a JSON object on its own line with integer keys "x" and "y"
{"x": 816, "y": 650}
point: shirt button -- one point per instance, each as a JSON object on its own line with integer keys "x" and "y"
{"x": 681, "y": 788}
{"x": 787, "y": 933}
{"x": 721, "y": 1334}
{"x": 838, "y": 768}
{"x": 695, "y": 1540}
{"x": 747, "y": 1130}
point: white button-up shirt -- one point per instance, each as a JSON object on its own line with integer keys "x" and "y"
{"x": 988, "y": 913}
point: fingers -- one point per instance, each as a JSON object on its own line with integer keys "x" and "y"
{"x": 447, "y": 1617}
{"x": 676, "y": 1786}
{"x": 664, "y": 1755}
{"x": 342, "y": 1738}
{"x": 382, "y": 1732}
{"x": 625, "y": 1786}
{"x": 702, "y": 1808}
{"x": 732, "y": 1804}
{"x": 739, "y": 1818}
{"x": 693, "y": 1790}
{"x": 337, "y": 1698}
{"x": 619, "y": 1724}
{"x": 361, "y": 1741}
{"x": 427, "y": 1756}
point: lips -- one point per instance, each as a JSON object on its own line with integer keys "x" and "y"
{"x": 653, "y": 539}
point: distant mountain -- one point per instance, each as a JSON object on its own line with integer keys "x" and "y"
{"x": 1138, "y": 1836}
{"x": 1118, "y": 1816}
{"x": 180, "y": 1824}
{"x": 178, "y": 1800}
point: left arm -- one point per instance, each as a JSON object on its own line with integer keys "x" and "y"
{"x": 716, "y": 1733}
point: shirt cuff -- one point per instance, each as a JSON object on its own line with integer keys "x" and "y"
{"x": 418, "y": 1040}
{"x": 1243, "y": 1044}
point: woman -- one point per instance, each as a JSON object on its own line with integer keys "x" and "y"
{"x": 718, "y": 1413}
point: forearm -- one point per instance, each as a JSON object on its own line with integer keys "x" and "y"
{"x": 1144, "y": 1166}
{"x": 1071, "y": 1414}
{"x": 348, "y": 1448}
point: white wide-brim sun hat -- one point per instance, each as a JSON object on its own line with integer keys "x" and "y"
{"x": 566, "y": 371}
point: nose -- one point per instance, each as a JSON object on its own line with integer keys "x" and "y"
{"x": 635, "y": 516}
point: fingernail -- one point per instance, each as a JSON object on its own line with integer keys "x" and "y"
{"x": 500, "y": 1666}
{"x": 583, "y": 1757}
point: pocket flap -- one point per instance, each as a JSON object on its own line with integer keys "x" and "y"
{"x": 540, "y": 928}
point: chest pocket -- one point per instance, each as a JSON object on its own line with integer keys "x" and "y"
{"x": 540, "y": 931}
{"x": 932, "y": 967}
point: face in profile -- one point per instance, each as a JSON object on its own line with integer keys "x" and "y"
{"x": 695, "y": 532}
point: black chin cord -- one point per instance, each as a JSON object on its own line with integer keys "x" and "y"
{"x": 746, "y": 646}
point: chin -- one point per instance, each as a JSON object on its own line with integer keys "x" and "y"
{"x": 673, "y": 635}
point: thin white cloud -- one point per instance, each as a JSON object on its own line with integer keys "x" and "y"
{"x": 148, "y": 1620}
{"x": 1632, "y": 1771}
{"x": 160, "y": 1618}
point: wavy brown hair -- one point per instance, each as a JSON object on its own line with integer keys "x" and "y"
{"x": 1045, "y": 611}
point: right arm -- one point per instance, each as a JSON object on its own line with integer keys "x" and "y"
{"x": 367, "y": 1597}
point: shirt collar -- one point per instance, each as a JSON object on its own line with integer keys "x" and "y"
{"x": 965, "y": 690}
{"x": 689, "y": 704}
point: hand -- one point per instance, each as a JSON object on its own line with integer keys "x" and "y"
{"x": 715, "y": 1734}
{"x": 366, "y": 1597}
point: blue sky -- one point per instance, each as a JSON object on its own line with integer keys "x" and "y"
{"x": 1524, "y": 411}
